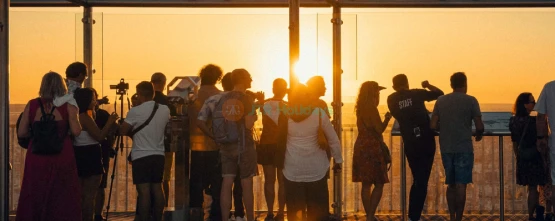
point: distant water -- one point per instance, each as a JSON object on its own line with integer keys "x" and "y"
{"x": 349, "y": 117}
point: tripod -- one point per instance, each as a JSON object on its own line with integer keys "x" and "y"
{"x": 119, "y": 146}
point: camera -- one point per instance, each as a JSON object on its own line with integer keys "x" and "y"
{"x": 120, "y": 88}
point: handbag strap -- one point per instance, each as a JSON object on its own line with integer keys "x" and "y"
{"x": 524, "y": 132}
{"x": 146, "y": 122}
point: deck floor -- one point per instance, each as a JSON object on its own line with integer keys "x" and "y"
{"x": 128, "y": 216}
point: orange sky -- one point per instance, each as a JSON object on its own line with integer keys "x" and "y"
{"x": 503, "y": 51}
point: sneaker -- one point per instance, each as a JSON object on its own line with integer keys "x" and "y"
{"x": 279, "y": 217}
{"x": 238, "y": 218}
{"x": 269, "y": 217}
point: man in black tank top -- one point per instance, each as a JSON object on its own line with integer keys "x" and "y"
{"x": 408, "y": 108}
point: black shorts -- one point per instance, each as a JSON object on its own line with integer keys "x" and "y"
{"x": 265, "y": 154}
{"x": 89, "y": 160}
{"x": 149, "y": 169}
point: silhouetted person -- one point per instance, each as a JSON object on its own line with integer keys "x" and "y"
{"x": 369, "y": 163}
{"x": 546, "y": 113}
{"x": 530, "y": 171}
{"x": 147, "y": 153}
{"x": 158, "y": 80}
{"x": 453, "y": 115}
{"x": 408, "y": 107}
{"x": 266, "y": 151}
{"x": 204, "y": 116}
{"x": 76, "y": 74}
{"x": 205, "y": 173}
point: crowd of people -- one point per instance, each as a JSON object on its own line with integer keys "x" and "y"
{"x": 295, "y": 148}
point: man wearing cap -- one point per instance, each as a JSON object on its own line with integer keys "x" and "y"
{"x": 408, "y": 108}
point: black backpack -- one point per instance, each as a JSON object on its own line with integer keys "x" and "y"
{"x": 46, "y": 138}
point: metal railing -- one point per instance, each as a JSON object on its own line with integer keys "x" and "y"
{"x": 485, "y": 196}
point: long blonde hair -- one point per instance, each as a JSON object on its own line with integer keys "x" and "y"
{"x": 52, "y": 86}
{"x": 367, "y": 97}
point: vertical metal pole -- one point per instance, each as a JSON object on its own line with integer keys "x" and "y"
{"x": 294, "y": 39}
{"x": 403, "y": 183}
{"x": 87, "y": 43}
{"x": 501, "y": 182}
{"x": 4, "y": 107}
{"x": 337, "y": 103}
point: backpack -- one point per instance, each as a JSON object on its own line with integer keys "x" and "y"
{"x": 227, "y": 119}
{"x": 46, "y": 138}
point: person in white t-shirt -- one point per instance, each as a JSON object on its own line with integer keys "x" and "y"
{"x": 147, "y": 153}
{"x": 545, "y": 107}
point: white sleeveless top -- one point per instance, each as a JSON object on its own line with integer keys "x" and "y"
{"x": 84, "y": 139}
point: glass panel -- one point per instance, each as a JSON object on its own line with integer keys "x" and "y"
{"x": 39, "y": 42}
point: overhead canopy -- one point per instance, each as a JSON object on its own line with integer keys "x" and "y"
{"x": 285, "y": 3}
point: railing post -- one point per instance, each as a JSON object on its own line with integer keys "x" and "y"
{"x": 403, "y": 183}
{"x": 88, "y": 42}
{"x": 4, "y": 108}
{"x": 294, "y": 39}
{"x": 501, "y": 182}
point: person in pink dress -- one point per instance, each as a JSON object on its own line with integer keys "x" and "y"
{"x": 50, "y": 187}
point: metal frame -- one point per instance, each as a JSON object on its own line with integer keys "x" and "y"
{"x": 285, "y": 3}
{"x": 4, "y": 107}
{"x": 294, "y": 6}
{"x": 500, "y": 135}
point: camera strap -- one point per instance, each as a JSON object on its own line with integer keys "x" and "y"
{"x": 146, "y": 122}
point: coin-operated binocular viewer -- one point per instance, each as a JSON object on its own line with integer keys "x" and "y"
{"x": 180, "y": 97}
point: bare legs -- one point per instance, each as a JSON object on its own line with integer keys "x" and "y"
{"x": 269, "y": 189}
{"x": 370, "y": 201}
{"x": 456, "y": 200}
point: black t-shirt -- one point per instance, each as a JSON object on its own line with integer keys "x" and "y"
{"x": 161, "y": 98}
{"x": 410, "y": 111}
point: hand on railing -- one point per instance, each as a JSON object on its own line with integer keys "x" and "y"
{"x": 337, "y": 168}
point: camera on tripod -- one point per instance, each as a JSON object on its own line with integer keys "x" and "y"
{"x": 120, "y": 88}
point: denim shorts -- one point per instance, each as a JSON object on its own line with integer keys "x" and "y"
{"x": 458, "y": 167}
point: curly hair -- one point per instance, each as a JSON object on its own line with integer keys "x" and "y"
{"x": 365, "y": 97}
{"x": 519, "y": 109}
{"x": 210, "y": 74}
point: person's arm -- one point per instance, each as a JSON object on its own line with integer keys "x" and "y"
{"x": 129, "y": 122}
{"x": 74, "y": 124}
{"x": 371, "y": 118}
{"x": 24, "y": 123}
{"x": 250, "y": 118}
{"x": 434, "y": 123}
{"x": 433, "y": 93}
{"x": 541, "y": 119}
{"x": 90, "y": 126}
{"x": 204, "y": 114}
{"x": 477, "y": 116}
{"x": 333, "y": 140}
{"x": 427, "y": 85}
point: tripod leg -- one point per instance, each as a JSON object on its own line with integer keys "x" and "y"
{"x": 118, "y": 139}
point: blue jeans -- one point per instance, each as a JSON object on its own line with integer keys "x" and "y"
{"x": 458, "y": 167}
